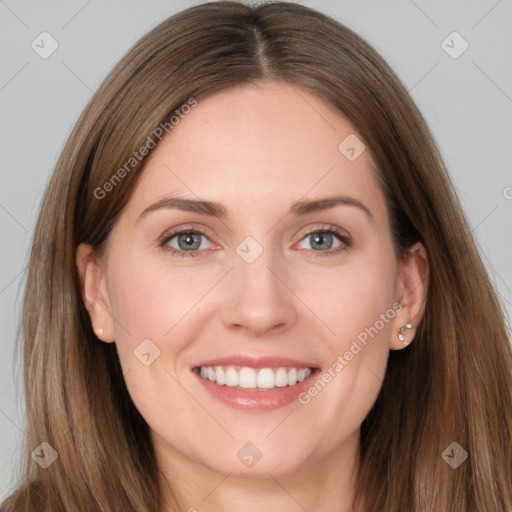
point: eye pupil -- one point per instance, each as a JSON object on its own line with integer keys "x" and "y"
{"x": 188, "y": 240}
{"x": 319, "y": 237}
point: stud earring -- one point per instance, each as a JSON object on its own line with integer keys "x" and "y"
{"x": 100, "y": 330}
{"x": 402, "y": 331}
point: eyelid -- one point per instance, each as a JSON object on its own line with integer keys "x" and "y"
{"x": 344, "y": 238}
{"x": 325, "y": 228}
{"x": 169, "y": 233}
{"x": 182, "y": 229}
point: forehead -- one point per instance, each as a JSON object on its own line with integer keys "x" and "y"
{"x": 259, "y": 146}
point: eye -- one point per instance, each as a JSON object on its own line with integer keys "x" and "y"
{"x": 322, "y": 240}
{"x": 185, "y": 242}
{"x": 191, "y": 242}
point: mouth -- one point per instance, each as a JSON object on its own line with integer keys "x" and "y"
{"x": 256, "y": 384}
{"x": 245, "y": 377}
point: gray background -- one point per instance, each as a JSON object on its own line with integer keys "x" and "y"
{"x": 467, "y": 101}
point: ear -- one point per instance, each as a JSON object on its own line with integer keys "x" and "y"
{"x": 94, "y": 292}
{"x": 412, "y": 287}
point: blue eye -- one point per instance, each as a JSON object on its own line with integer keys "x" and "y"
{"x": 323, "y": 239}
{"x": 190, "y": 242}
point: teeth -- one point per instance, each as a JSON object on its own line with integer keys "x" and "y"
{"x": 265, "y": 378}
{"x": 292, "y": 376}
{"x": 231, "y": 377}
{"x": 247, "y": 378}
{"x": 250, "y": 378}
{"x": 281, "y": 378}
{"x": 220, "y": 375}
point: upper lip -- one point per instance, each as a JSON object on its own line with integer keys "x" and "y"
{"x": 256, "y": 362}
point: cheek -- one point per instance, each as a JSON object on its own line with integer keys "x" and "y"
{"x": 357, "y": 305}
{"x": 150, "y": 306}
{"x": 155, "y": 308}
{"x": 351, "y": 298}
{"x": 151, "y": 297}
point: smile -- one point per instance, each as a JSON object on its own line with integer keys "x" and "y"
{"x": 244, "y": 377}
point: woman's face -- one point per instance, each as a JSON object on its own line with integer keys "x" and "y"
{"x": 249, "y": 294}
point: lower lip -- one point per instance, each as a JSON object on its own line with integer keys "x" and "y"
{"x": 254, "y": 399}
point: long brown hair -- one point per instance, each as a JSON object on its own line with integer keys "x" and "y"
{"x": 453, "y": 384}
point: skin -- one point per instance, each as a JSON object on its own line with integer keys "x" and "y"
{"x": 256, "y": 149}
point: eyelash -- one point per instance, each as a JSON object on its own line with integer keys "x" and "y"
{"x": 344, "y": 239}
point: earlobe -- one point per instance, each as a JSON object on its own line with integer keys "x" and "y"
{"x": 402, "y": 332}
{"x": 94, "y": 292}
{"x": 412, "y": 288}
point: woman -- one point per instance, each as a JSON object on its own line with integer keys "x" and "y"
{"x": 187, "y": 344}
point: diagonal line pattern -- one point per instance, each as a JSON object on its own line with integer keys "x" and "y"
{"x": 192, "y": 307}
{"x": 14, "y": 14}
{"x": 77, "y": 76}
{"x": 1, "y": 411}
{"x": 199, "y": 403}
{"x": 13, "y": 218}
{"x": 423, "y": 77}
{"x": 280, "y": 423}
{"x": 375, "y": 374}
{"x": 286, "y": 491}
{"x": 76, "y": 14}
{"x": 218, "y": 485}
{"x": 485, "y": 218}
{"x": 11, "y": 281}
{"x": 486, "y": 14}
{"x": 295, "y": 89}
{"x": 492, "y": 81}
{"x": 424, "y": 13}
{"x": 300, "y": 300}
{"x": 14, "y": 76}
{"x": 105, "y": 106}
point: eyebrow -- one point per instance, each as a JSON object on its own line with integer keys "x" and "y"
{"x": 218, "y": 210}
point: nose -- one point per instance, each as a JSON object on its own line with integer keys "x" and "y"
{"x": 259, "y": 299}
